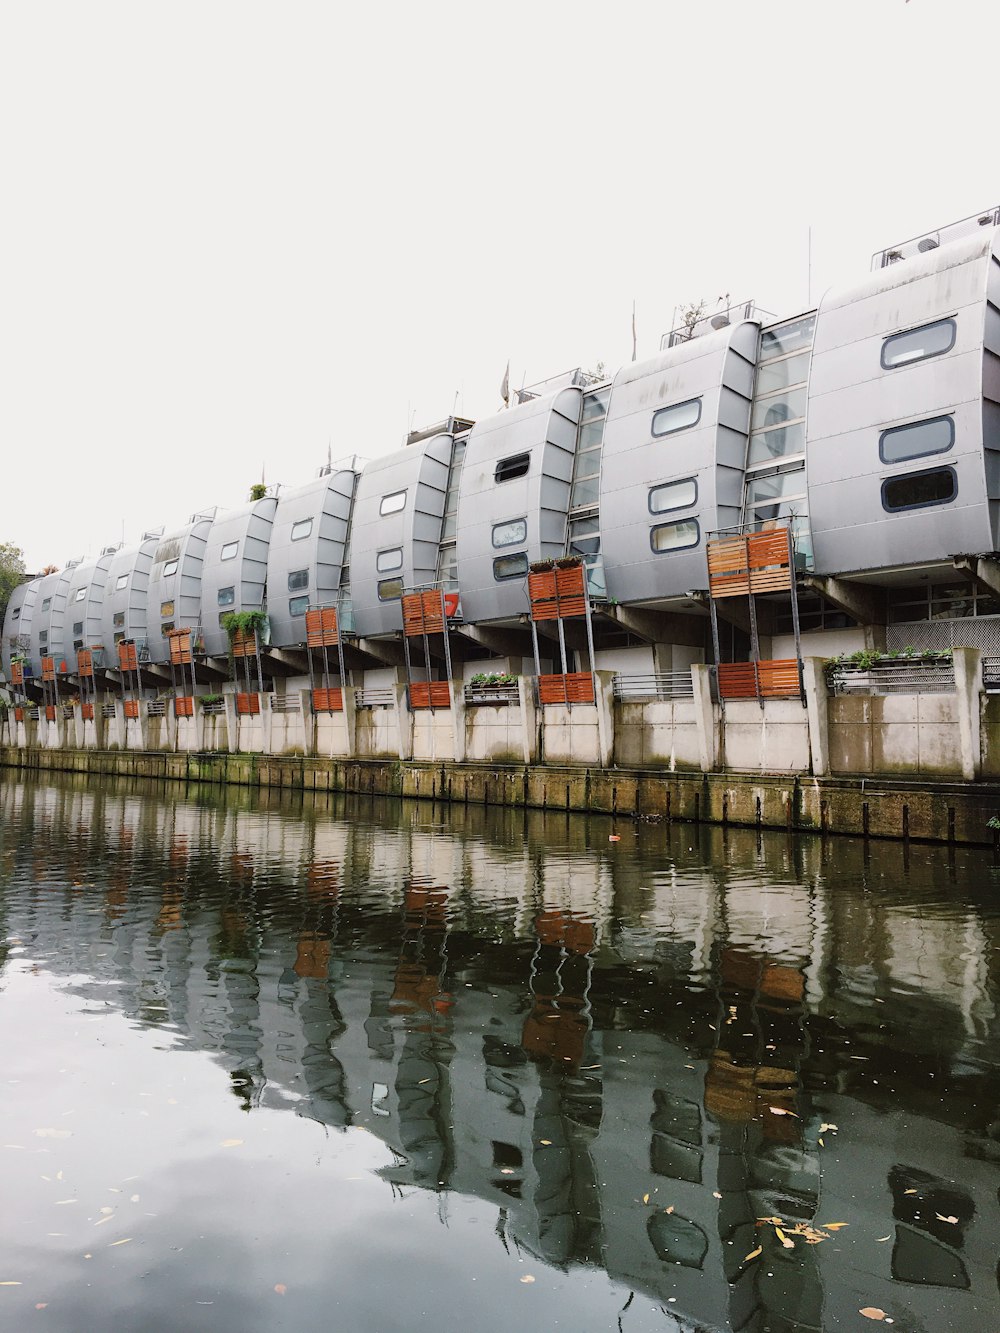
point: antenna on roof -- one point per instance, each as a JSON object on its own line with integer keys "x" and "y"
{"x": 633, "y": 329}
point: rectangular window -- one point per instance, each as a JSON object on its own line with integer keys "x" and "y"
{"x": 43, "y": 636}
{"x": 302, "y": 529}
{"x": 673, "y": 495}
{"x": 392, "y": 503}
{"x": 675, "y": 536}
{"x": 919, "y": 438}
{"x": 765, "y": 487}
{"x": 298, "y": 606}
{"x": 775, "y": 411}
{"x": 776, "y": 375}
{"x": 166, "y": 608}
{"x": 515, "y": 466}
{"x": 80, "y": 594}
{"x": 390, "y": 590}
{"x": 46, "y": 603}
{"x": 902, "y": 349}
{"x": 680, "y": 416}
{"x": 596, "y": 404}
{"x": 228, "y": 551}
{"x": 298, "y": 578}
{"x": 510, "y": 566}
{"x": 790, "y": 337}
{"x": 919, "y": 490}
{"x": 169, "y": 568}
{"x": 387, "y": 561}
{"x": 121, "y": 582}
{"x": 119, "y": 638}
{"x": 119, "y": 618}
{"x": 167, "y": 627}
{"x": 78, "y": 627}
{"x": 227, "y": 596}
{"x": 511, "y": 533}
{"x": 777, "y": 442}
{"x": 15, "y": 615}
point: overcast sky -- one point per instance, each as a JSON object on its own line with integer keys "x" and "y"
{"x": 234, "y": 233}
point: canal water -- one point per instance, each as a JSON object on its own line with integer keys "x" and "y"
{"x": 274, "y": 1061}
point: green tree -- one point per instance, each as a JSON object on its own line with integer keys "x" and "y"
{"x": 11, "y": 572}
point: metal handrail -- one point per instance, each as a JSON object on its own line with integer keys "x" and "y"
{"x": 921, "y": 676}
{"x": 653, "y": 685}
{"x": 492, "y": 694}
{"x": 156, "y": 708}
{"x": 285, "y": 703}
{"x": 383, "y": 697}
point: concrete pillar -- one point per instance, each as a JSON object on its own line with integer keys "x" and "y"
{"x": 266, "y": 728}
{"x": 457, "y": 688}
{"x": 350, "y": 720}
{"x": 309, "y": 724}
{"x": 100, "y": 724}
{"x": 119, "y": 741}
{"x": 170, "y": 727}
{"x": 968, "y": 694}
{"x": 704, "y": 717}
{"x": 605, "y": 698}
{"x": 404, "y": 718}
{"x": 529, "y": 718}
{"x": 232, "y": 723}
{"x": 817, "y": 714}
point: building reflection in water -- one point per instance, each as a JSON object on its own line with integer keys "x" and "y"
{"x": 636, "y": 1050}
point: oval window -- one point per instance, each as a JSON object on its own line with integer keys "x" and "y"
{"x": 919, "y": 490}
{"x": 673, "y": 495}
{"x": 902, "y": 349}
{"x": 675, "y": 536}
{"x": 678, "y": 417}
{"x": 387, "y": 561}
{"x": 917, "y": 440}
{"x": 511, "y": 533}
{"x": 392, "y": 503}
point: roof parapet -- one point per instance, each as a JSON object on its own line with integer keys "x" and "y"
{"x": 930, "y": 240}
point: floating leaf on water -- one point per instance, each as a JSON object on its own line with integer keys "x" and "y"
{"x": 280, "y": 1288}
{"x": 41, "y": 1305}
{"x": 754, "y": 1254}
{"x": 60, "y": 1201}
{"x": 873, "y": 1312}
{"x": 716, "y": 1194}
{"x": 780, "y": 1110}
{"x": 826, "y": 1128}
{"x": 54, "y": 1133}
{"x": 126, "y": 1241}
{"x": 880, "y": 1239}
{"x": 645, "y": 1198}
{"x": 10, "y": 1284}
{"x": 941, "y": 1218}
{"x": 788, "y": 1244}
{"x": 527, "y": 1278}
{"x": 133, "y": 1198}
{"x": 106, "y": 1210}
{"x": 909, "y": 1191}
{"x": 834, "y": 1226}
{"x": 230, "y": 1143}
{"x": 546, "y": 1142}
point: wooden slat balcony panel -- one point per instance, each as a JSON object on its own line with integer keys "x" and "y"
{"x": 429, "y": 694}
{"x": 128, "y": 658}
{"x": 247, "y": 704}
{"x": 779, "y": 678}
{"x": 321, "y": 627}
{"x": 328, "y": 701}
{"x": 184, "y": 706}
{"x": 737, "y": 680}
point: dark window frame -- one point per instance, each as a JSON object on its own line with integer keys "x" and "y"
{"x": 502, "y": 546}
{"x": 305, "y": 523}
{"x": 303, "y": 597}
{"x": 662, "y": 485}
{"x": 391, "y": 495}
{"x": 389, "y": 550}
{"x": 517, "y": 574}
{"x": 169, "y": 568}
{"x": 923, "y": 504}
{"x": 926, "y": 356}
{"x": 301, "y": 583}
{"x": 688, "y": 546}
{"x": 393, "y": 597}
{"x": 232, "y": 547}
{"x": 510, "y": 468}
{"x": 913, "y": 425}
{"x": 672, "y": 407}
{"x": 231, "y": 589}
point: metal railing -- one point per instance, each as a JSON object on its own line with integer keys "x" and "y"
{"x": 920, "y": 676}
{"x": 709, "y": 321}
{"x": 492, "y": 694}
{"x": 285, "y": 703}
{"x": 156, "y": 708}
{"x": 383, "y": 697}
{"x": 991, "y": 675}
{"x": 107, "y": 710}
{"x": 68, "y": 710}
{"x": 655, "y": 685}
{"x": 930, "y": 240}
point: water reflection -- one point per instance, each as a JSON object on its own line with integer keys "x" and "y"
{"x": 634, "y": 1052}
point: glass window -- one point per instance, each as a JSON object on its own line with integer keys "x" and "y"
{"x": 227, "y": 596}
{"x": 16, "y": 613}
{"x": 120, "y": 637}
{"x": 779, "y": 374}
{"x": 587, "y": 465}
{"x": 678, "y": 417}
{"x": 596, "y": 404}
{"x": 302, "y": 529}
{"x": 80, "y": 594}
{"x": 511, "y": 533}
{"x": 169, "y": 568}
{"x": 298, "y": 606}
{"x": 167, "y": 627}
{"x": 673, "y": 495}
{"x": 918, "y": 344}
{"x": 515, "y": 466}
{"x": 591, "y": 434}
{"x": 121, "y": 581}
{"x": 510, "y": 566}
{"x": 43, "y": 637}
{"x": 586, "y": 491}
{"x": 788, "y": 337}
{"x": 228, "y": 551}
{"x": 298, "y": 578}
{"x": 78, "y": 627}
{"x": 390, "y": 590}
{"x": 776, "y": 411}
{"x": 776, "y": 485}
{"x": 46, "y": 603}
{"x": 119, "y": 618}
{"x": 393, "y": 503}
{"x": 448, "y": 527}
{"x": 767, "y": 445}
{"x": 166, "y": 608}
{"x": 675, "y": 536}
{"x": 934, "y": 436}
{"x": 387, "y": 561}
{"x": 448, "y": 567}
{"x": 918, "y": 490}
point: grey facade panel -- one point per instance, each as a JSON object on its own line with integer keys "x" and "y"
{"x": 85, "y": 606}
{"x": 325, "y": 506}
{"x": 545, "y": 429}
{"x": 853, "y": 398}
{"x": 49, "y": 618}
{"x": 125, "y": 608}
{"x": 717, "y": 369}
{"x": 17, "y": 624}
{"x": 175, "y": 581}
{"x": 244, "y": 572}
{"x": 421, "y": 471}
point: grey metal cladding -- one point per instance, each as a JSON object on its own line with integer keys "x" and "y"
{"x": 181, "y": 588}
{"x": 718, "y": 369}
{"x": 85, "y": 605}
{"x": 49, "y": 618}
{"x": 326, "y": 503}
{"x": 852, "y": 400}
{"x": 127, "y": 604}
{"x": 17, "y": 624}
{"x": 421, "y": 470}
{"x": 545, "y": 429}
{"x": 249, "y": 529}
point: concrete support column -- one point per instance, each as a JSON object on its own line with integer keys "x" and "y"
{"x": 100, "y": 724}
{"x": 604, "y": 696}
{"x": 404, "y": 718}
{"x": 351, "y": 720}
{"x": 457, "y": 688}
{"x": 170, "y": 726}
{"x": 120, "y": 737}
{"x": 266, "y": 717}
{"x": 817, "y": 714}
{"x": 704, "y": 717}
{"x": 529, "y": 718}
{"x": 308, "y": 722}
{"x": 968, "y": 694}
{"x": 232, "y": 723}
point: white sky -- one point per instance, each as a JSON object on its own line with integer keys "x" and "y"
{"x": 231, "y": 233}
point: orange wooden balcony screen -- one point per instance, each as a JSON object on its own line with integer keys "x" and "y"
{"x": 321, "y": 627}
{"x": 577, "y": 687}
{"x": 423, "y": 613}
{"x": 128, "y": 658}
{"x": 87, "y": 712}
{"x": 131, "y": 707}
{"x": 48, "y": 668}
{"x": 184, "y": 706}
{"x": 244, "y": 643}
{"x": 557, "y": 593}
{"x": 430, "y": 694}
{"x": 17, "y": 673}
{"x": 755, "y": 563}
{"x": 179, "y": 641}
{"x": 328, "y": 701}
{"x": 764, "y": 680}
{"x": 84, "y": 662}
{"x": 247, "y": 704}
